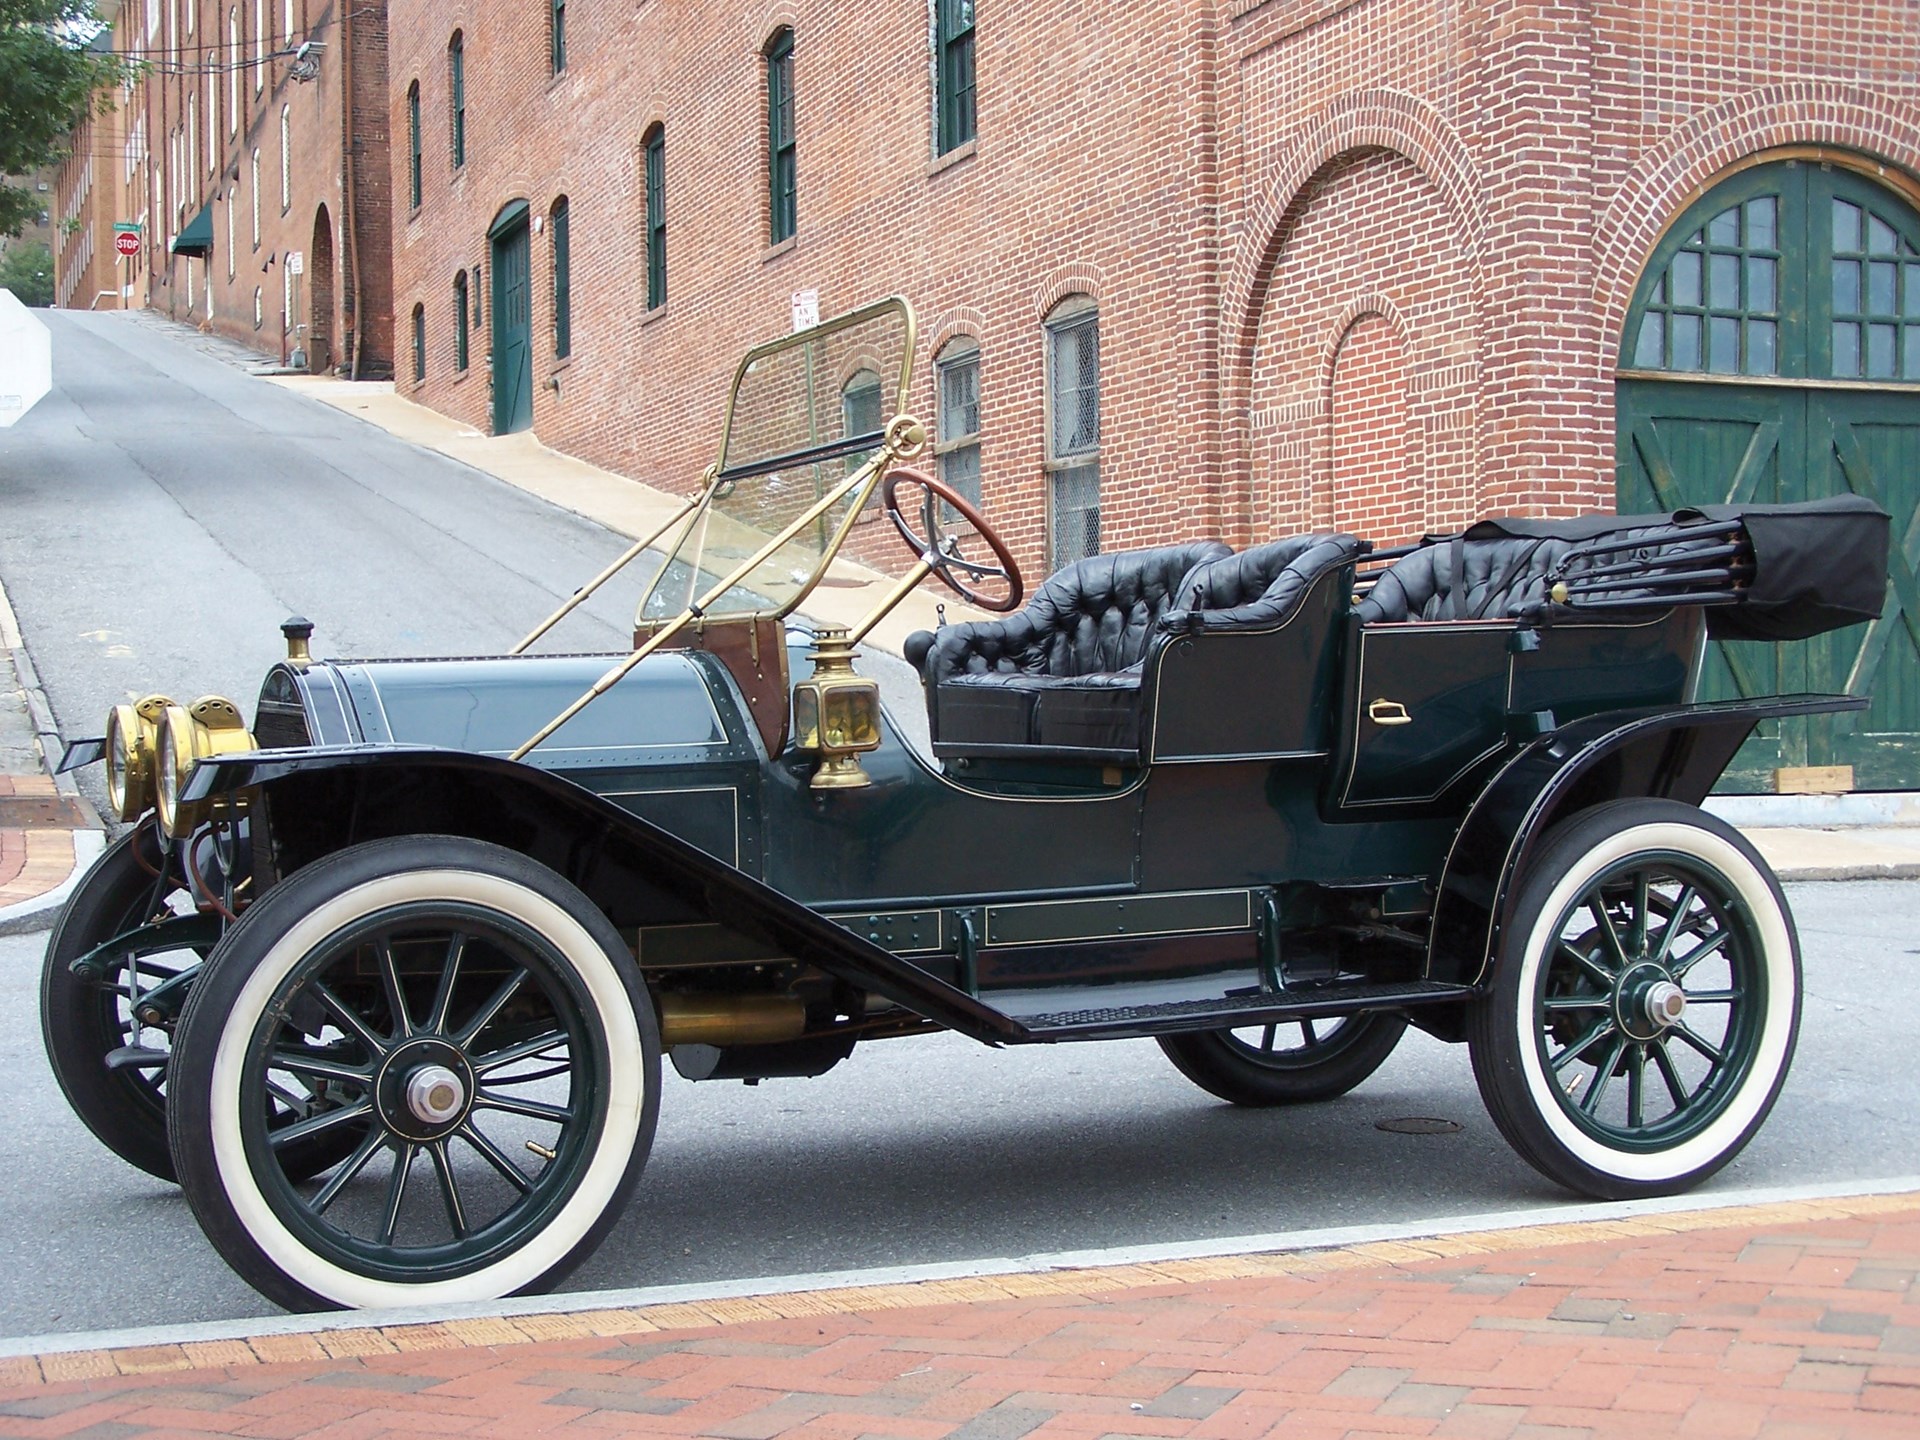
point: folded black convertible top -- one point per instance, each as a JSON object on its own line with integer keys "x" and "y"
{"x": 1815, "y": 566}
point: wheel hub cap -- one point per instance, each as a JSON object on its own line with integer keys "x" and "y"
{"x": 424, "y": 1090}
{"x": 1666, "y": 1002}
{"x": 435, "y": 1094}
{"x": 1647, "y": 1002}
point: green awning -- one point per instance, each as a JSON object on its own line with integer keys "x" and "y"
{"x": 197, "y": 238}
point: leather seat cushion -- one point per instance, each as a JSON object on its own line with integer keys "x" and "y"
{"x": 1497, "y": 576}
{"x": 1258, "y": 588}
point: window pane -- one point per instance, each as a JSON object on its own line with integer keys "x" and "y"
{"x": 1686, "y": 278}
{"x": 1880, "y": 356}
{"x": 1760, "y": 285}
{"x": 1880, "y": 237}
{"x": 1723, "y": 345}
{"x": 1846, "y": 349}
{"x": 1076, "y": 388}
{"x": 1761, "y": 359}
{"x": 959, "y": 398}
{"x": 561, "y": 226}
{"x": 1846, "y": 226}
{"x": 1911, "y": 300}
{"x": 1723, "y": 282}
{"x": 1075, "y": 497}
{"x": 1724, "y": 228}
{"x": 1910, "y": 367}
{"x": 1882, "y": 283}
{"x": 1846, "y": 287}
{"x": 1686, "y": 343}
{"x": 1651, "y": 349}
{"x": 960, "y": 472}
{"x": 1760, "y": 223}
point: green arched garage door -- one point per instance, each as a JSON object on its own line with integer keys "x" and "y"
{"x": 1773, "y": 353}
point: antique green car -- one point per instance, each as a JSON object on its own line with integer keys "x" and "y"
{"x": 385, "y": 980}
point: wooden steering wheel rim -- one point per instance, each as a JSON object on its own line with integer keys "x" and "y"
{"x": 943, "y": 564}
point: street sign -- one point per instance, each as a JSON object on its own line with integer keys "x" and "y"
{"x": 127, "y": 242}
{"x": 806, "y": 309}
{"x": 126, "y": 227}
{"x": 26, "y": 359}
{"x": 296, "y": 262}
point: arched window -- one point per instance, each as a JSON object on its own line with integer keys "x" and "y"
{"x": 457, "y": 98}
{"x": 259, "y": 57}
{"x": 557, "y": 35}
{"x": 460, "y": 321}
{"x": 256, "y": 197}
{"x": 419, "y": 343}
{"x": 259, "y": 309}
{"x": 862, "y": 409}
{"x": 656, "y": 179}
{"x": 413, "y": 145}
{"x": 233, "y": 70}
{"x": 782, "y": 180}
{"x": 1073, "y": 430}
{"x": 956, "y": 445}
{"x": 233, "y": 203}
{"x": 559, "y": 226}
{"x": 286, "y": 158}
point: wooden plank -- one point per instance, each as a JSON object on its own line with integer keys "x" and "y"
{"x": 1813, "y": 780}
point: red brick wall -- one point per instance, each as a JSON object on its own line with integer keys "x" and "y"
{"x": 1288, "y": 212}
{"x": 184, "y": 66}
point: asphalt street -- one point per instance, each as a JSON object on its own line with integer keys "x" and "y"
{"x": 162, "y": 511}
{"x": 940, "y": 1149}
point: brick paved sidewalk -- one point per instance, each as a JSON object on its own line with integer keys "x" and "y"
{"x": 1781, "y": 1320}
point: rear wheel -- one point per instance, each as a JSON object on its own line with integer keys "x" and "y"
{"x": 1289, "y": 1062}
{"x": 473, "y": 1020}
{"x": 1646, "y": 1002}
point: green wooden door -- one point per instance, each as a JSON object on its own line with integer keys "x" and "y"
{"x": 1773, "y": 353}
{"x": 512, "y": 326}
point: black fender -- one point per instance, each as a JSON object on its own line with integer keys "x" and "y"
{"x": 320, "y": 800}
{"x": 1674, "y": 753}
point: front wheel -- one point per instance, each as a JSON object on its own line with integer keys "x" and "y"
{"x": 1290, "y": 1062}
{"x": 1645, "y": 1003}
{"x": 480, "y": 1028}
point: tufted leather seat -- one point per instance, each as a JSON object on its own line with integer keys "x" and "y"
{"x": 1258, "y": 588}
{"x": 1462, "y": 579}
{"x": 1065, "y": 672}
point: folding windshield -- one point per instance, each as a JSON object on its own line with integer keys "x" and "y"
{"x": 805, "y": 416}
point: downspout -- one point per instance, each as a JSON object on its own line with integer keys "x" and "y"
{"x": 349, "y": 179}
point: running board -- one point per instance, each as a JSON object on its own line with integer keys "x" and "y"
{"x": 1218, "y": 1012}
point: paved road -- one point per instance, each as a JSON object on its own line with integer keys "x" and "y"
{"x": 940, "y": 1150}
{"x": 163, "y": 511}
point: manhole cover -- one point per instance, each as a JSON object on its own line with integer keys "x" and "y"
{"x": 1418, "y": 1125}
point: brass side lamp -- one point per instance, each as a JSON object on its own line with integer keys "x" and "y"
{"x": 836, "y": 714}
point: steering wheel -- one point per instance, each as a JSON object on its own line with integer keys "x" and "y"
{"x": 941, "y": 548}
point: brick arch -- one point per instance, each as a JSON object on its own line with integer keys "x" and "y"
{"x": 762, "y": 23}
{"x": 1078, "y": 278}
{"x": 1362, "y": 123}
{"x": 957, "y": 321}
{"x": 1690, "y": 159}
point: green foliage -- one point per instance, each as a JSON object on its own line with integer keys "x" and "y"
{"x": 27, "y": 270}
{"x": 49, "y": 82}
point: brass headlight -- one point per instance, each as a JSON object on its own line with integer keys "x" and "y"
{"x": 132, "y": 740}
{"x": 188, "y": 735}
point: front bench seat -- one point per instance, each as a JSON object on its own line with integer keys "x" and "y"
{"x": 1065, "y": 672}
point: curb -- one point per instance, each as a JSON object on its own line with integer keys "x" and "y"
{"x": 33, "y": 1359}
{"x": 40, "y": 912}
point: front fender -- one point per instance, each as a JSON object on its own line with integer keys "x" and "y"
{"x": 322, "y": 800}
{"x": 1676, "y": 754}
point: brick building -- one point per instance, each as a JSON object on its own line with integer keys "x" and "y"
{"x": 257, "y": 137}
{"x": 1235, "y": 268}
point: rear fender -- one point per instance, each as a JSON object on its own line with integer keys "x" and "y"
{"x": 320, "y": 801}
{"x": 1676, "y": 754}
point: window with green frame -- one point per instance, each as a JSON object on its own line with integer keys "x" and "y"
{"x": 1876, "y": 297}
{"x": 557, "y": 35}
{"x": 656, "y": 168}
{"x": 953, "y": 66}
{"x": 956, "y": 446}
{"x": 559, "y": 227}
{"x": 413, "y": 144}
{"x": 1717, "y": 306}
{"x": 457, "y": 98}
{"x": 462, "y": 320}
{"x": 419, "y": 343}
{"x": 781, "y": 179}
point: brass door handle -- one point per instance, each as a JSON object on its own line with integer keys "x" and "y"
{"x": 1388, "y": 712}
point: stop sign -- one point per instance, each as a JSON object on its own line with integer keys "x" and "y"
{"x": 127, "y": 242}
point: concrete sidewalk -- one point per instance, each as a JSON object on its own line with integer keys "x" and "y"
{"x": 1787, "y": 1319}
